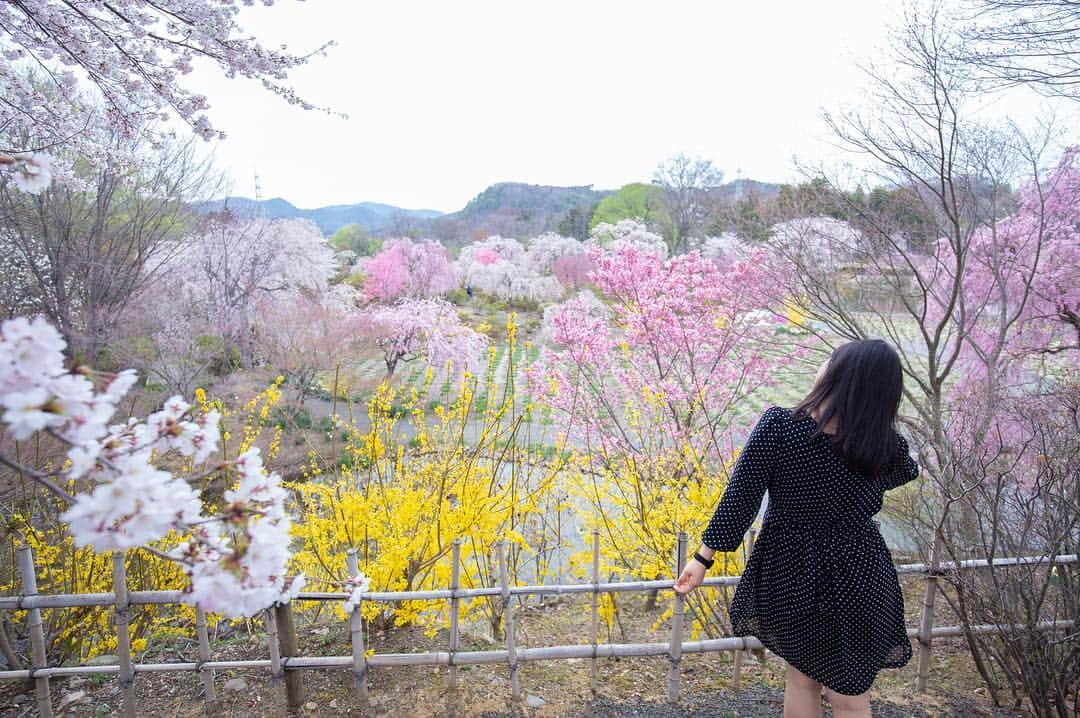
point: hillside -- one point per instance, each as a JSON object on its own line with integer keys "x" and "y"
{"x": 514, "y": 209}
{"x": 742, "y": 188}
{"x": 372, "y": 216}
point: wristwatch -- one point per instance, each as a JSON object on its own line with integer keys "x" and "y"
{"x": 706, "y": 562}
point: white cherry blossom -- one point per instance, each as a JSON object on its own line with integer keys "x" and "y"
{"x": 128, "y": 502}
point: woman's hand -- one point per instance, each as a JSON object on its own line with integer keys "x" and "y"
{"x": 691, "y": 577}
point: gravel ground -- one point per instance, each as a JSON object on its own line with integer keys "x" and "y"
{"x": 755, "y": 702}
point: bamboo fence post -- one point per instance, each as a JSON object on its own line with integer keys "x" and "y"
{"x": 736, "y": 669}
{"x": 204, "y": 654}
{"x": 272, "y": 645}
{"x": 675, "y": 646}
{"x": 926, "y": 622}
{"x": 356, "y": 635}
{"x": 455, "y": 578}
{"x": 294, "y": 680}
{"x": 508, "y": 622}
{"x": 37, "y": 634}
{"x": 123, "y": 635}
{"x": 595, "y": 606}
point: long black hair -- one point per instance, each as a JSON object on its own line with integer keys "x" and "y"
{"x": 861, "y": 389}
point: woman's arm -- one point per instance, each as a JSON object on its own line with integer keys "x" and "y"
{"x": 753, "y": 470}
{"x": 903, "y": 468}
{"x": 742, "y": 498}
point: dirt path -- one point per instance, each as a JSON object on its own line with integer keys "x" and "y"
{"x": 759, "y": 701}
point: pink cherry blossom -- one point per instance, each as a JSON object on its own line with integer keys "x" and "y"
{"x": 404, "y": 268}
{"x": 663, "y": 360}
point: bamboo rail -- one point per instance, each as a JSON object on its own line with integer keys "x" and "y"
{"x": 437, "y": 658}
{"x": 145, "y": 598}
{"x": 286, "y": 630}
{"x": 676, "y": 642}
{"x": 282, "y": 640}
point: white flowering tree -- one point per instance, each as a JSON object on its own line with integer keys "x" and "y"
{"x": 503, "y": 268}
{"x": 95, "y": 78}
{"x": 236, "y": 557}
{"x": 543, "y": 251}
{"x": 627, "y": 233}
{"x": 421, "y": 328}
{"x": 59, "y": 58}
{"x": 721, "y": 248}
{"x": 584, "y": 305}
{"x": 302, "y": 332}
{"x": 230, "y": 263}
{"x": 83, "y": 252}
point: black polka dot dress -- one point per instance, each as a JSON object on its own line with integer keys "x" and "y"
{"x": 819, "y": 588}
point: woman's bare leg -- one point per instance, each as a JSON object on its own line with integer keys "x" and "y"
{"x": 802, "y": 695}
{"x": 849, "y": 706}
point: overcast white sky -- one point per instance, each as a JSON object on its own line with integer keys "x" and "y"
{"x": 446, "y": 98}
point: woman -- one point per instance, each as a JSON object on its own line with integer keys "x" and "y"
{"x": 819, "y": 588}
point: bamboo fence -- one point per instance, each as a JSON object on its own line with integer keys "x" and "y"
{"x": 283, "y": 661}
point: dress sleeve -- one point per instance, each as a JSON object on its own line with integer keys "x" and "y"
{"x": 903, "y": 468}
{"x": 749, "y": 480}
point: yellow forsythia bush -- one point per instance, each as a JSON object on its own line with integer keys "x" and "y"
{"x": 638, "y": 507}
{"x": 420, "y": 477}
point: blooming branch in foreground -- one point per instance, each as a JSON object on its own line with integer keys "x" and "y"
{"x": 236, "y": 560}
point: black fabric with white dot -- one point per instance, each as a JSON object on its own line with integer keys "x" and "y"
{"x": 819, "y": 588}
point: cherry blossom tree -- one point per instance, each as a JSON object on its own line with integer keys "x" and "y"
{"x": 502, "y": 268}
{"x": 583, "y": 303}
{"x": 721, "y": 248}
{"x": 490, "y": 250}
{"x": 404, "y": 268}
{"x": 301, "y": 333}
{"x": 509, "y": 282}
{"x": 649, "y": 383}
{"x": 411, "y": 329}
{"x": 132, "y": 56}
{"x": 670, "y": 361}
{"x": 627, "y": 232}
{"x": 170, "y": 336}
{"x": 573, "y": 270}
{"x": 236, "y": 557}
{"x": 230, "y": 263}
{"x": 82, "y": 255}
{"x": 542, "y": 252}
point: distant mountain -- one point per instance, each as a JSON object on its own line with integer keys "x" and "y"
{"x": 742, "y": 188}
{"x": 512, "y": 209}
{"x": 372, "y": 216}
{"x": 515, "y": 209}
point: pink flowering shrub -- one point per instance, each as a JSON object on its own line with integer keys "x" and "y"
{"x": 668, "y": 363}
{"x": 404, "y": 268}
